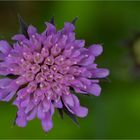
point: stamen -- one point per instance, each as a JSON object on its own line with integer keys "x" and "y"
{"x": 35, "y": 68}
{"x": 38, "y": 58}
{"x": 31, "y": 87}
{"x": 71, "y": 47}
{"x": 85, "y": 87}
{"x": 29, "y": 76}
{"x": 33, "y": 36}
{"x": 44, "y": 85}
{"x": 9, "y": 55}
{"x": 49, "y": 60}
{"x": 54, "y": 68}
{"x": 40, "y": 77}
{"x": 59, "y": 60}
{"x": 49, "y": 77}
{"x": 45, "y": 52}
{"x": 58, "y": 77}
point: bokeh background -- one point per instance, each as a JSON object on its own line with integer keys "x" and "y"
{"x": 116, "y": 113}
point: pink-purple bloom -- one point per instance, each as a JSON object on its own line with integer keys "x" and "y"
{"x": 45, "y": 71}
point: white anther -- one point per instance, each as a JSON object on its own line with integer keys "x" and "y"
{"x": 33, "y": 36}
{"x": 48, "y": 59}
{"x": 75, "y": 62}
{"x": 84, "y": 87}
{"x": 20, "y": 97}
{"x": 50, "y": 76}
{"x": 21, "y": 43}
{"x": 22, "y": 60}
{"x": 41, "y": 86}
{"x": 56, "y": 45}
{"x": 80, "y": 71}
{"x": 35, "y": 100}
{"x": 67, "y": 93}
{"x": 72, "y": 78}
{"x": 24, "y": 53}
{"x": 9, "y": 55}
{"x": 67, "y": 68}
{"x": 61, "y": 59}
{"x": 86, "y": 55}
{"x": 37, "y": 54}
{"x": 43, "y": 49}
{"x": 41, "y": 79}
{"x": 28, "y": 90}
{"x": 11, "y": 69}
{"x": 71, "y": 47}
{"x": 17, "y": 82}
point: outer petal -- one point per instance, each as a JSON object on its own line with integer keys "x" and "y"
{"x": 100, "y": 73}
{"x": 31, "y": 30}
{"x": 25, "y": 102}
{"x": 79, "y": 110}
{"x": 68, "y": 27}
{"x": 4, "y": 47}
{"x": 7, "y": 91}
{"x": 21, "y": 121}
{"x": 18, "y": 37}
{"x": 4, "y": 83}
{"x": 2, "y": 56}
{"x": 68, "y": 100}
{"x": 94, "y": 89}
{"x": 58, "y": 104}
{"x": 46, "y": 105}
{"x": 29, "y": 107}
{"x": 9, "y": 96}
{"x": 47, "y": 123}
{"x": 32, "y": 114}
{"x": 50, "y": 28}
{"x": 96, "y": 49}
{"x": 40, "y": 112}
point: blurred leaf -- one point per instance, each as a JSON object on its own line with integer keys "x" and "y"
{"x": 52, "y": 21}
{"x": 60, "y": 111}
{"x": 74, "y": 20}
{"x": 73, "y": 117}
{"x": 23, "y": 26}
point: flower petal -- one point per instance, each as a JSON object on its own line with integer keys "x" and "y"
{"x": 40, "y": 112}
{"x": 31, "y": 30}
{"x": 32, "y": 114}
{"x": 94, "y": 89}
{"x": 47, "y": 124}
{"x": 96, "y": 49}
{"x": 68, "y": 27}
{"x": 68, "y": 100}
{"x": 100, "y": 73}
{"x": 81, "y": 111}
{"x": 4, "y": 47}
{"x": 50, "y": 28}
{"x": 21, "y": 121}
{"x": 18, "y": 37}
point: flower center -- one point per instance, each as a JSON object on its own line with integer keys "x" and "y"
{"x": 47, "y": 70}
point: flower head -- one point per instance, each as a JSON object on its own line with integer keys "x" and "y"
{"x": 47, "y": 68}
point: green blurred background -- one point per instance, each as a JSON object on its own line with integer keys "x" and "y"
{"x": 116, "y": 113}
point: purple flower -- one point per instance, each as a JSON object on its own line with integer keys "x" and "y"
{"x": 43, "y": 70}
